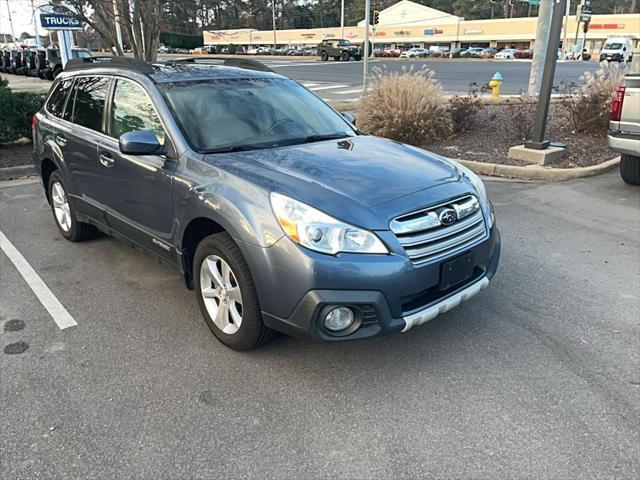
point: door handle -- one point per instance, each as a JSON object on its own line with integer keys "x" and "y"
{"x": 60, "y": 140}
{"x": 106, "y": 160}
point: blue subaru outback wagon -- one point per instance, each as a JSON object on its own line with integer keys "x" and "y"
{"x": 279, "y": 213}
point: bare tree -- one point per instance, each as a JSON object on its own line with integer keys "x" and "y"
{"x": 139, "y": 19}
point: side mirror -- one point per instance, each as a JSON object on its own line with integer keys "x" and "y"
{"x": 349, "y": 117}
{"x": 140, "y": 142}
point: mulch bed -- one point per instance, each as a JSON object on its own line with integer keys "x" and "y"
{"x": 493, "y": 133}
{"x": 15, "y": 155}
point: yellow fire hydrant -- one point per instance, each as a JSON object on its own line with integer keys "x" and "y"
{"x": 495, "y": 83}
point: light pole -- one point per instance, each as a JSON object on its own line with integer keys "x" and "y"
{"x": 13, "y": 33}
{"x": 365, "y": 63}
{"x": 545, "y": 13}
{"x": 273, "y": 11}
{"x": 342, "y": 20}
{"x": 537, "y": 141}
{"x": 35, "y": 24}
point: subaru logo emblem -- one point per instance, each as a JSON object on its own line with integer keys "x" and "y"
{"x": 448, "y": 216}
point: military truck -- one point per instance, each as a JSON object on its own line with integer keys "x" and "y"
{"x": 338, "y": 49}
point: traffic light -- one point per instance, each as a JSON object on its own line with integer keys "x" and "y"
{"x": 376, "y": 17}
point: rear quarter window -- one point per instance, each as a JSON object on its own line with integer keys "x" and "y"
{"x": 56, "y": 104}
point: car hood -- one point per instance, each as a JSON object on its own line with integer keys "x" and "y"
{"x": 362, "y": 179}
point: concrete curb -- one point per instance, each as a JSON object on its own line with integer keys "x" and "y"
{"x": 538, "y": 172}
{"x": 8, "y": 173}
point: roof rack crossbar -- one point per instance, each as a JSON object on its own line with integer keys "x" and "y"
{"x": 245, "y": 63}
{"x": 128, "y": 63}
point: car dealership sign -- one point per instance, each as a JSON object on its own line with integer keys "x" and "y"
{"x": 59, "y": 21}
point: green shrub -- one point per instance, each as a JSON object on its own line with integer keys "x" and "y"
{"x": 232, "y": 49}
{"x": 16, "y": 110}
{"x": 406, "y": 106}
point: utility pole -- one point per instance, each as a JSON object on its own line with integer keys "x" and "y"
{"x": 537, "y": 141}
{"x": 545, "y": 12}
{"x": 566, "y": 28}
{"x": 273, "y": 12}
{"x": 578, "y": 12}
{"x": 367, "y": 19}
{"x": 35, "y": 24}
{"x": 13, "y": 33}
{"x": 342, "y": 20}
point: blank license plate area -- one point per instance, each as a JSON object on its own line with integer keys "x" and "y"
{"x": 456, "y": 271}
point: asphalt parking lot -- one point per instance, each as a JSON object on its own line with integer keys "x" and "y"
{"x": 536, "y": 377}
{"x": 342, "y": 81}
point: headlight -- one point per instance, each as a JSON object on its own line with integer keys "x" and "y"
{"x": 318, "y": 231}
{"x": 475, "y": 180}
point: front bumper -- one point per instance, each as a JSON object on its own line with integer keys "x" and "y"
{"x": 388, "y": 298}
{"x": 611, "y": 57}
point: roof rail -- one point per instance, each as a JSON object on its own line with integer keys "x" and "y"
{"x": 107, "y": 61}
{"x": 245, "y": 63}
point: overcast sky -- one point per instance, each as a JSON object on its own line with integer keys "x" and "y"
{"x": 20, "y": 15}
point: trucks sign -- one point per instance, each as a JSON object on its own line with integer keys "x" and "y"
{"x": 58, "y": 21}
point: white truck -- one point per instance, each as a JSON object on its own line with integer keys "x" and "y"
{"x": 617, "y": 49}
{"x": 624, "y": 128}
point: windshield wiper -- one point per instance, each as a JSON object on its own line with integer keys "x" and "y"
{"x": 236, "y": 148}
{"x": 314, "y": 138}
{"x": 283, "y": 143}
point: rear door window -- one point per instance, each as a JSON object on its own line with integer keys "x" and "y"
{"x": 88, "y": 108}
{"x": 58, "y": 99}
{"x": 132, "y": 109}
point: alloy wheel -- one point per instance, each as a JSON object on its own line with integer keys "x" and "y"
{"x": 221, "y": 294}
{"x": 61, "y": 206}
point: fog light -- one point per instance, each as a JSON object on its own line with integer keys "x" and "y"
{"x": 340, "y": 318}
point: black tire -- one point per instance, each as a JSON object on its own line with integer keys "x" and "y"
{"x": 56, "y": 71}
{"x": 48, "y": 74}
{"x": 630, "y": 169}
{"x": 344, "y": 56}
{"x": 252, "y": 331}
{"x": 79, "y": 231}
{"x": 324, "y": 56}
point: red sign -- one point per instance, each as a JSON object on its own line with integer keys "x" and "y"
{"x": 606, "y": 26}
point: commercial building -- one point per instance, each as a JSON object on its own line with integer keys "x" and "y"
{"x": 407, "y": 23}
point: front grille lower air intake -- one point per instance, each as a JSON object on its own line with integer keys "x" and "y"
{"x": 441, "y": 230}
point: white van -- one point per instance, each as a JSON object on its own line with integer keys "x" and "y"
{"x": 617, "y": 49}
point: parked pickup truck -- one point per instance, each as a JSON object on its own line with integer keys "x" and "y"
{"x": 624, "y": 128}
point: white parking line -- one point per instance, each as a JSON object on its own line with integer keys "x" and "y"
{"x": 346, "y": 92}
{"x": 328, "y": 87}
{"x": 59, "y": 314}
{"x": 310, "y": 84}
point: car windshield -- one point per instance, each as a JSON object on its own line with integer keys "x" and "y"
{"x": 344, "y": 43}
{"x": 613, "y": 46}
{"x": 224, "y": 115}
{"x": 80, "y": 54}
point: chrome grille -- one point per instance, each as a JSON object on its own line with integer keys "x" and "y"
{"x": 425, "y": 238}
